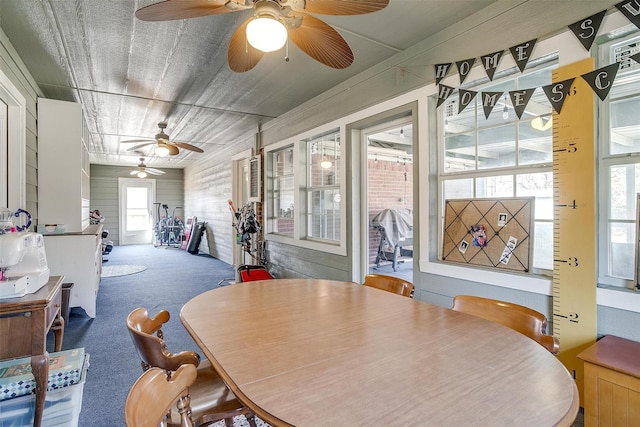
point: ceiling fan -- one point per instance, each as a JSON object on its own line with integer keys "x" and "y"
{"x": 164, "y": 146}
{"x": 142, "y": 170}
{"x": 272, "y": 22}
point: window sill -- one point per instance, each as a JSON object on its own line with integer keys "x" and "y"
{"x": 523, "y": 282}
{"x": 332, "y": 248}
{"x": 618, "y": 297}
{"x": 606, "y": 296}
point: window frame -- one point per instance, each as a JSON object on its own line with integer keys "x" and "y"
{"x": 300, "y": 235}
{"x": 515, "y": 170}
{"x": 606, "y": 161}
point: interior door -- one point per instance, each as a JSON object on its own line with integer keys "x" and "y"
{"x": 136, "y": 210}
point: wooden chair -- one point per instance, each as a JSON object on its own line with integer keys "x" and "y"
{"x": 517, "y": 317}
{"x": 392, "y": 284}
{"x": 153, "y": 394}
{"x": 211, "y": 399}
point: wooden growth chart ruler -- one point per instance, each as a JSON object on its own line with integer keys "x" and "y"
{"x": 574, "y": 234}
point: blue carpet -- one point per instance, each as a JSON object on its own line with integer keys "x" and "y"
{"x": 172, "y": 278}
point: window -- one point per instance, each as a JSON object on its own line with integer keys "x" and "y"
{"x": 323, "y": 187}
{"x": 305, "y": 178}
{"x": 502, "y": 156}
{"x": 619, "y": 174}
{"x": 137, "y": 210}
{"x": 281, "y": 215}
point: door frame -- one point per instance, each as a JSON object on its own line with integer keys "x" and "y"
{"x": 358, "y": 132}
{"x": 124, "y": 183}
{"x": 239, "y": 195}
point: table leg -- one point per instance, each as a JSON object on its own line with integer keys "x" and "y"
{"x": 40, "y": 369}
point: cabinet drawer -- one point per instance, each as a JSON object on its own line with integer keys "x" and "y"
{"x": 54, "y": 307}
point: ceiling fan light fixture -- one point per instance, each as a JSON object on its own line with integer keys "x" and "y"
{"x": 161, "y": 150}
{"x": 542, "y": 123}
{"x": 142, "y": 174}
{"x": 266, "y": 34}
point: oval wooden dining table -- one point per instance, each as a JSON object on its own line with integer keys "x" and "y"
{"x": 315, "y": 353}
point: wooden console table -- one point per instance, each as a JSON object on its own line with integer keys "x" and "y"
{"x": 612, "y": 382}
{"x": 24, "y": 324}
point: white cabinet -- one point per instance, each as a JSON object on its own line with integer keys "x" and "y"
{"x": 63, "y": 165}
{"x": 78, "y": 257}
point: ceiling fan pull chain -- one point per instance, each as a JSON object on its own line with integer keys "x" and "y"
{"x": 286, "y": 51}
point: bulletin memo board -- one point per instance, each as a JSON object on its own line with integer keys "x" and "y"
{"x": 493, "y": 233}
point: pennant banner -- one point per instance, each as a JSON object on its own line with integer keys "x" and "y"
{"x": 466, "y": 96}
{"x": 522, "y": 53}
{"x": 557, "y": 93}
{"x": 587, "y": 29}
{"x": 630, "y": 9}
{"x": 489, "y": 101}
{"x": 520, "y": 99}
{"x": 441, "y": 71}
{"x": 602, "y": 79}
{"x": 464, "y": 68}
{"x": 490, "y": 63}
{"x": 444, "y": 92}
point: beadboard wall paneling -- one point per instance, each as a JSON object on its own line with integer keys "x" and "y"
{"x": 207, "y": 191}
{"x": 291, "y": 261}
{"x": 104, "y": 193}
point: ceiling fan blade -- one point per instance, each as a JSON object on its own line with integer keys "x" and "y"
{"x": 344, "y": 7}
{"x": 188, "y": 146}
{"x": 153, "y": 171}
{"x": 241, "y": 55}
{"x": 133, "y": 172}
{"x": 321, "y": 42}
{"x": 136, "y": 140}
{"x": 170, "y": 10}
{"x": 137, "y": 147}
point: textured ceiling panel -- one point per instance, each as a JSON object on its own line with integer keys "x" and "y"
{"x": 131, "y": 74}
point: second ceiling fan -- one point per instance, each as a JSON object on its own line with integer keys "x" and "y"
{"x": 164, "y": 146}
{"x": 143, "y": 170}
{"x": 272, "y": 23}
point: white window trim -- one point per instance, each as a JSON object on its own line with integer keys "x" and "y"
{"x": 299, "y": 145}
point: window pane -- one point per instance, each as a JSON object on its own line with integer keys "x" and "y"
{"x": 535, "y": 141}
{"x": 137, "y": 212}
{"x": 282, "y": 216}
{"x": 323, "y": 186}
{"x": 543, "y": 245}
{"x": 324, "y": 219}
{"x": 621, "y": 250}
{"x": 540, "y": 186}
{"x": 460, "y": 152}
{"x": 625, "y": 126}
{"x": 458, "y": 189}
{"x": 324, "y": 161}
{"x": 494, "y": 186}
{"x": 497, "y": 147}
{"x": 624, "y": 184}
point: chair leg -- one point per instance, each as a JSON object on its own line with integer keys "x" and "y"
{"x": 252, "y": 420}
